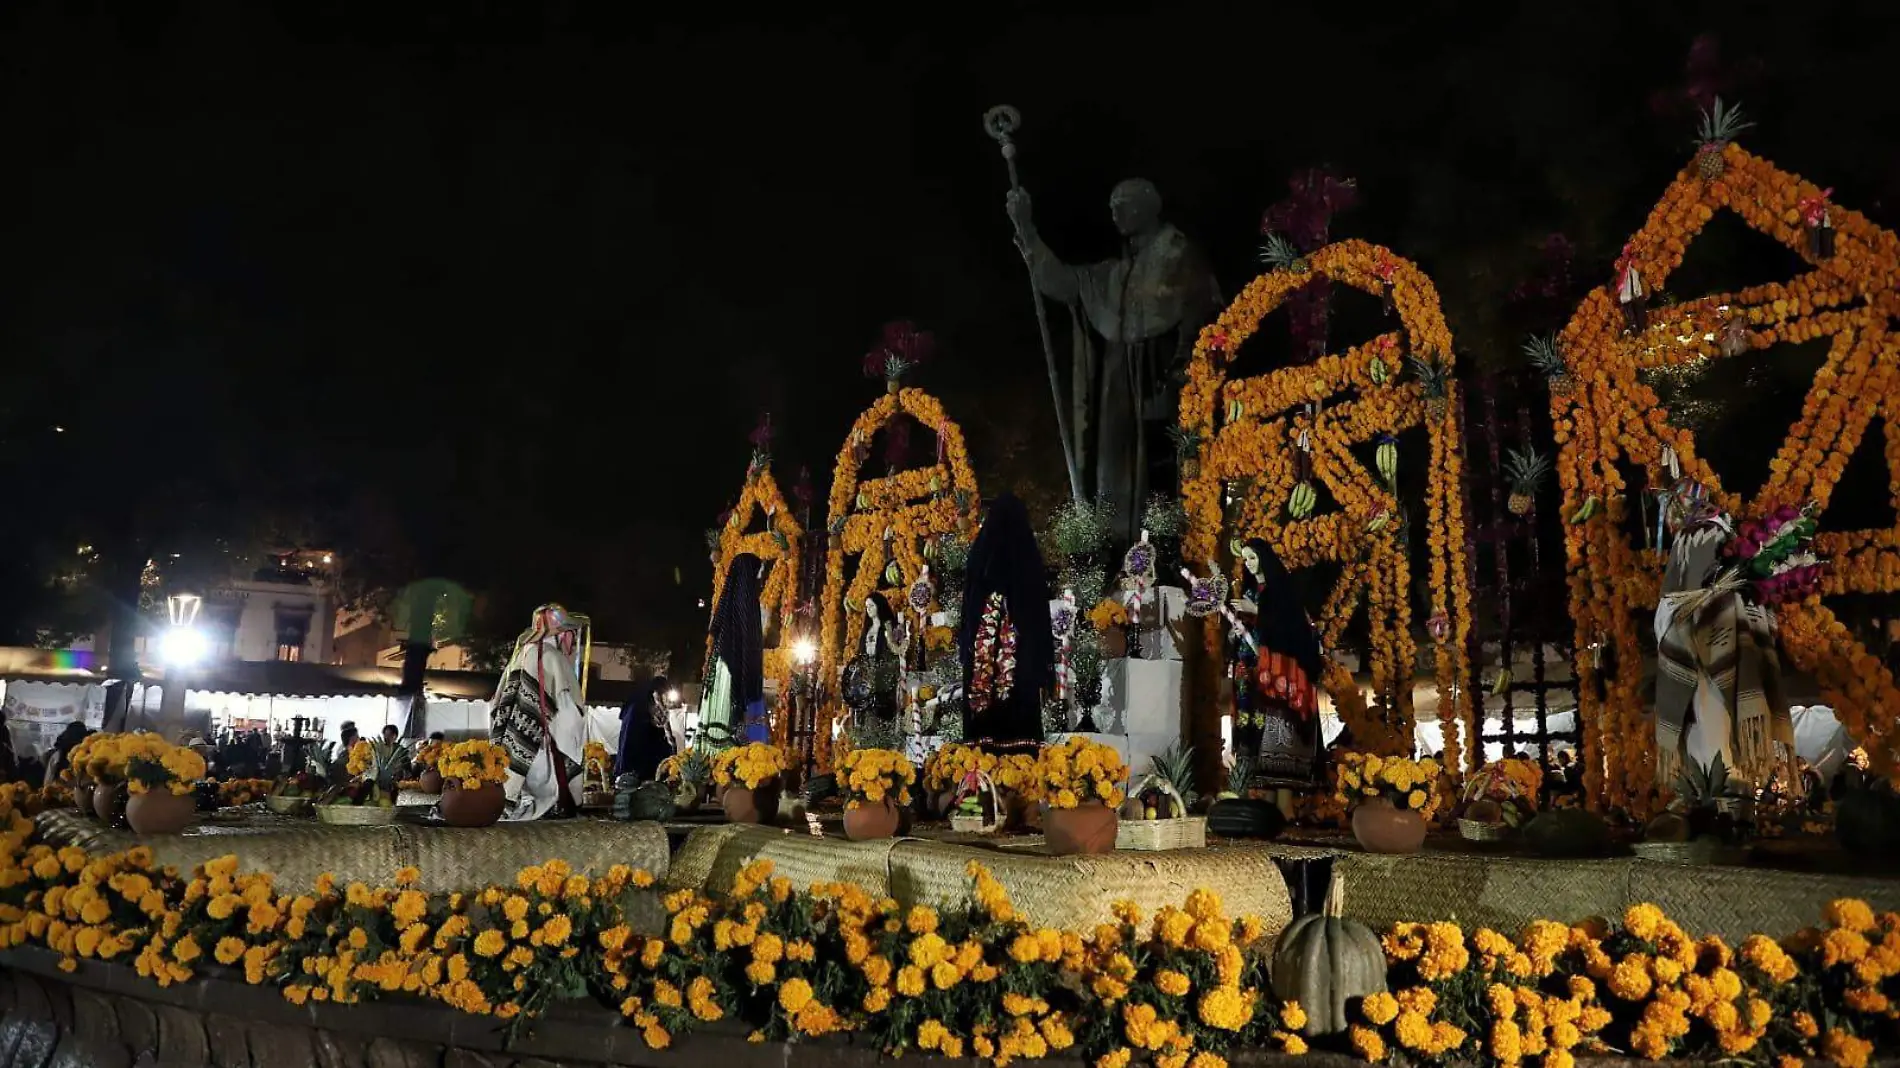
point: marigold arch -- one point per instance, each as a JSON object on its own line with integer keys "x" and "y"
{"x": 780, "y": 547}
{"x": 1247, "y": 429}
{"x": 1610, "y": 414}
{"x": 879, "y": 521}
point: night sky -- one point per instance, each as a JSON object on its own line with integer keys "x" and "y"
{"x": 497, "y": 290}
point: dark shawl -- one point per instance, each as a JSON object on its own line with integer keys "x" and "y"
{"x": 1005, "y": 560}
{"x": 1282, "y": 626}
{"x": 736, "y": 636}
{"x": 643, "y": 743}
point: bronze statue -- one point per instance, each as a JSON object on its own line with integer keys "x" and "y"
{"x": 1134, "y": 322}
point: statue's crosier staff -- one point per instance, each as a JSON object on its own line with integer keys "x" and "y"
{"x": 1000, "y": 123}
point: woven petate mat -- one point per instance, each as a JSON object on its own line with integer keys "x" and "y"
{"x": 1503, "y": 893}
{"x": 1737, "y": 902}
{"x": 712, "y": 856}
{"x": 1076, "y": 893}
{"x": 297, "y": 850}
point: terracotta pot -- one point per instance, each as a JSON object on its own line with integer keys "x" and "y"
{"x": 108, "y": 803}
{"x": 941, "y": 804}
{"x": 867, "y": 821}
{"x": 687, "y": 800}
{"x": 1381, "y": 828}
{"x": 745, "y": 805}
{"x": 1019, "y": 813}
{"x": 82, "y": 800}
{"x": 479, "y": 807}
{"x": 160, "y": 812}
{"x": 1087, "y": 828}
{"x": 430, "y": 781}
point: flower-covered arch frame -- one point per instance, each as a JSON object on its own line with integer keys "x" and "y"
{"x": 779, "y": 546}
{"x": 890, "y": 519}
{"x": 1247, "y": 431}
{"x": 1851, "y": 297}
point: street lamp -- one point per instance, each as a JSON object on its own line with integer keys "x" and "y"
{"x": 181, "y": 647}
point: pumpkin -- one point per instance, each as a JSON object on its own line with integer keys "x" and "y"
{"x": 1324, "y": 961}
{"x": 648, "y": 801}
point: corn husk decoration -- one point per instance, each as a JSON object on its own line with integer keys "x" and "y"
{"x": 1820, "y": 228}
{"x": 1632, "y": 296}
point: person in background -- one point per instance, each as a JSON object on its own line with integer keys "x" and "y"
{"x": 390, "y": 734}
{"x": 61, "y": 756}
{"x": 339, "y": 767}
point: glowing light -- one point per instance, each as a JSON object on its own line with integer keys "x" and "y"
{"x": 183, "y": 646}
{"x": 326, "y": 558}
{"x": 672, "y": 697}
{"x": 804, "y": 651}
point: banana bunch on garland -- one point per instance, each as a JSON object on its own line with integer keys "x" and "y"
{"x": 1386, "y": 459}
{"x": 1305, "y": 498}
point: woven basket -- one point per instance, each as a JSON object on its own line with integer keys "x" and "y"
{"x": 288, "y": 806}
{"x": 1700, "y": 851}
{"x": 356, "y": 815}
{"x": 597, "y": 799}
{"x": 976, "y": 824}
{"x": 1480, "y": 831}
{"x": 1182, "y": 832}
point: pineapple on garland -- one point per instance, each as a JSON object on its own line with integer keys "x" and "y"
{"x": 1434, "y": 379}
{"x": 1719, "y": 127}
{"x": 1527, "y": 469}
{"x": 1281, "y": 255}
{"x": 1547, "y": 359}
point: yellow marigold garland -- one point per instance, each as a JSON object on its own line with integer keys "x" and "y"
{"x": 1613, "y": 415}
{"x": 1246, "y": 429}
{"x": 877, "y": 521}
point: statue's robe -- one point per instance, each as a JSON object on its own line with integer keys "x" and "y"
{"x": 1135, "y": 321}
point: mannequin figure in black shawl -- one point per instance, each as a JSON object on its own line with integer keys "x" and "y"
{"x": 1007, "y": 649}
{"x": 735, "y": 697}
{"x": 1276, "y": 681}
{"x": 644, "y": 739}
{"x": 872, "y": 674}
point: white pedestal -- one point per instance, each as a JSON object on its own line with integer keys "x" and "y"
{"x": 1163, "y": 623}
{"x": 1142, "y": 701}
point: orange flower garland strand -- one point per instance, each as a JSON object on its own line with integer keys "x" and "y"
{"x": 878, "y": 521}
{"x": 780, "y": 546}
{"x": 1613, "y": 415}
{"x": 1245, "y": 432}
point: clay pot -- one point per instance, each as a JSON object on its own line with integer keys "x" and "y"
{"x": 1088, "y": 828}
{"x": 745, "y": 805}
{"x": 430, "y": 782}
{"x": 941, "y": 804}
{"x": 865, "y": 822}
{"x": 160, "y": 812}
{"x": 479, "y": 807}
{"x": 1381, "y": 828}
{"x": 687, "y": 800}
{"x": 1020, "y": 813}
{"x": 82, "y": 800}
{"x": 108, "y": 803}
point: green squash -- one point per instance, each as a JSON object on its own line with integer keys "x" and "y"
{"x": 1325, "y": 961}
{"x": 1568, "y": 832}
{"x": 1245, "y": 817}
{"x": 648, "y": 801}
